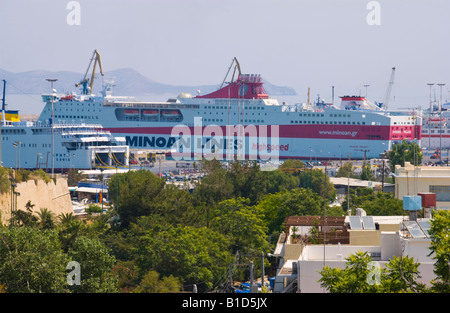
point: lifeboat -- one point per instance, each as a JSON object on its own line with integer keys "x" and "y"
{"x": 436, "y": 121}
{"x": 150, "y": 113}
{"x": 131, "y": 112}
{"x": 171, "y": 113}
{"x": 67, "y": 98}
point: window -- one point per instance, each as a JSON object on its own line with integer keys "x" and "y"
{"x": 442, "y": 192}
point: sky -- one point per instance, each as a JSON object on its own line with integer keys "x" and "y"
{"x": 297, "y": 43}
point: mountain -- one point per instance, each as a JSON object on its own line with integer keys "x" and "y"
{"x": 127, "y": 82}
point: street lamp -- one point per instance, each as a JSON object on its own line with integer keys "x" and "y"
{"x": 366, "y": 89}
{"x": 52, "y": 80}
{"x": 16, "y": 144}
{"x": 429, "y": 124}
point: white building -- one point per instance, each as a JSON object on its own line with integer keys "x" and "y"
{"x": 388, "y": 236}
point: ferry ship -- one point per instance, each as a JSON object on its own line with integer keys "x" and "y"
{"x": 436, "y": 129}
{"x": 28, "y": 145}
{"x": 239, "y": 120}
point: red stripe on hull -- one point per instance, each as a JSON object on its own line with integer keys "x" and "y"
{"x": 357, "y": 132}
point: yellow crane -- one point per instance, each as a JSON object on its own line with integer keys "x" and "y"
{"x": 96, "y": 59}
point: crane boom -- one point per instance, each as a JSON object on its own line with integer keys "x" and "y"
{"x": 96, "y": 59}
{"x": 388, "y": 92}
{"x": 236, "y": 66}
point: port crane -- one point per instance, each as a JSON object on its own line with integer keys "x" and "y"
{"x": 87, "y": 90}
{"x": 236, "y": 67}
{"x": 388, "y": 92}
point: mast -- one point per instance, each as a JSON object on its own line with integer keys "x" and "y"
{"x": 3, "y": 101}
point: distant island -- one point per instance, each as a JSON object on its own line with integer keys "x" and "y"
{"x": 128, "y": 82}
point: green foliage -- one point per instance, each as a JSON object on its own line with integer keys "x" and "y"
{"x": 300, "y": 201}
{"x": 93, "y": 208}
{"x": 440, "y": 250}
{"x": 39, "y": 174}
{"x": 367, "y": 173}
{"x": 31, "y": 260}
{"x": 242, "y": 224}
{"x": 318, "y": 182}
{"x": 96, "y": 265}
{"x": 74, "y": 176}
{"x": 5, "y": 184}
{"x": 276, "y": 181}
{"x": 405, "y": 152}
{"x": 46, "y": 218}
{"x": 152, "y": 284}
{"x": 196, "y": 255}
{"x": 361, "y": 276}
{"x": 137, "y": 191}
{"x": 379, "y": 203}
{"x": 291, "y": 164}
{"x": 346, "y": 170}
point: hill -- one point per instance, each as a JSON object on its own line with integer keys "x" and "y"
{"x": 128, "y": 82}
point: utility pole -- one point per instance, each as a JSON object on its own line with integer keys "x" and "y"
{"x": 52, "y": 80}
{"x": 440, "y": 122}
{"x": 262, "y": 270}
{"x": 429, "y": 124}
{"x": 3, "y": 118}
{"x": 251, "y": 276}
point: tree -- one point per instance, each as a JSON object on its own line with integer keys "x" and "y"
{"x": 405, "y": 152}
{"x": 346, "y": 170}
{"x": 379, "y": 203}
{"x": 74, "y": 176}
{"x": 96, "y": 266}
{"x": 46, "y": 218}
{"x": 299, "y": 201}
{"x": 133, "y": 193}
{"x": 25, "y": 218}
{"x": 402, "y": 275}
{"x": 214, "y": 187}
{"x": 318, "y": 182}
{"x": 440, "y": 250}
{"x": 176, "y": 206}
{"x": 276, "y": 181}
{"x": 367, "y": 173}
{"x": 31, "y": 260}
{"x": 360, "y": 275}
{"x": 246, "y": 181}
{"x": 241, "y": 224}
{"x": 152, "y": 284}
{"x": 195, "y": 255}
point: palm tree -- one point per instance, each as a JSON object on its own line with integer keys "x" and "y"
{"x": 47, "y": 218}
{"x": 66, "y": 218}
